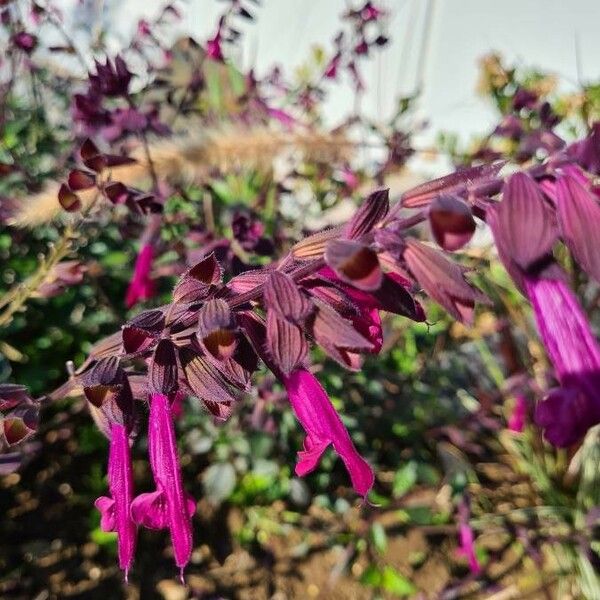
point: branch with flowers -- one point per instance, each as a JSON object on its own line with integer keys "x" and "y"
{"x": 270, "y": 295}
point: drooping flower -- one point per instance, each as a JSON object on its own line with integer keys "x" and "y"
{"x": 169, "y": 506}
{"x": 466, "y": 536}
{"x": 115, "y": 508}
{"x": 111, "y": 405}
{"x": 141, "y": 286}
{"x": 525, "y": 231}
{"x": 516, "y": 421}
{"x": 569, "y": 411}
{"x": 467, "y": 547}
{"x": 323, "y": 426}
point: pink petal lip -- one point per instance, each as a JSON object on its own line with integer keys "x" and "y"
{"x": 323, "y": 426}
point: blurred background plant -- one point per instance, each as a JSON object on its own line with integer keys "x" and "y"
{"x": 243, "y": 166}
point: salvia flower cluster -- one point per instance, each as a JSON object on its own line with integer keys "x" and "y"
{"x": 329, "y": 290}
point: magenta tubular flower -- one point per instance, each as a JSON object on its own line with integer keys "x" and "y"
{"x": 525, "y": 231}
{"x": 141, "y": 286}
{"x": 169, "y": 506}
{"x": 115, "y": 509}
{"x": 467, "y": 547}
{"x": 516, "y": 421}
{"x": 568, "y": 412}
{"x": 323, "y": 426}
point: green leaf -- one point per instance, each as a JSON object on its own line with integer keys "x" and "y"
{"x": 387, "y": 579}
{"x": 379, "y": 537}
{"x": 404, "y": 479}
{"x": 219, "y": 482}
{"x": 371, "y": 576}
{"x": 395, "y": 583}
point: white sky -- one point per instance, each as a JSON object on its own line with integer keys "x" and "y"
{"x": 541, "y": 33}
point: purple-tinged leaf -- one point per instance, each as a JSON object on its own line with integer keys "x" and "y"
{"x": 338, "y": 336}
{"x": 149, "y": 320}
{"x": 239, "y": 368}
{"x": 313, "y": 246}
{"x": 526, "y": 223}
{"x": 196, "y": 283}
{"x": 248, "y": 280}
{"x": 451, "y": 222}
{"x": 109, "y": 396}
{"x": 587, "y": 152}
{"x": 80, "y": 180}
{"x": 102, "y": 372}
{"x": 109, "y": 346}
{"x": 219, "y": 410}
{"x": 20, "y": 424}
{"x": 282, "y": 295}
{"x": 369, "y": 214}
{"x": 204, "y": 380}
{"x": 96, "y": 163}
{"x": 114, "y": 160}
{"x": 443, "y": 280}
{"x": 116, "y": 192}
{"x": 162, "y": 368}
{"x": 421, "y": 195}
{"x": 216, "y": 329}
{"x": 68, "y": 199}
{"x": 354, "y": 263}
{"x": 136, "y": 339}
{"x": 285, "y": 342}
{"x": 12, "y": 395}
{"x": 579, "y": 220}
{"x": 88, "y": 150}
{"x": 104, "y": 403}
{"x": 393, "y": 297}
{"x": 330, "y": 328}
{"x": 255, "y": 330}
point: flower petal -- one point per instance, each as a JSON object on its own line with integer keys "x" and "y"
{"x": 323, "y": 426}
{"x": 106, "y": 506}
{"x": 150, "y": 510}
